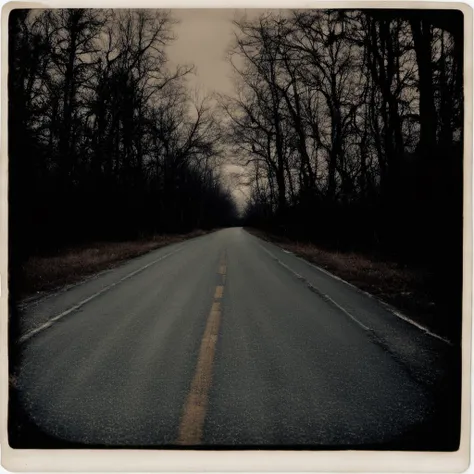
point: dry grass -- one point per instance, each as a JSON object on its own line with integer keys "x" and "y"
{"x": 382, "y": 277}
{"x": 43, "y": 274}
{"x": 405, "y": 288}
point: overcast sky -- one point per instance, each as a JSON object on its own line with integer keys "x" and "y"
{"x": 203, "y": 38}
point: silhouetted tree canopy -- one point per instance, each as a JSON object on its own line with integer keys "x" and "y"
{"x": 106, "y": 141}
{"x": 351, "y": 126}
{"x": 348, "y": 122}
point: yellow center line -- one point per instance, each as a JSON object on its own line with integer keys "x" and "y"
{"x": 195, "y": 407}
{"x": 219, "y": 292}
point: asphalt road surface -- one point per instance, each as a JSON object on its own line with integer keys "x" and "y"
{"x": 228, "y": 341}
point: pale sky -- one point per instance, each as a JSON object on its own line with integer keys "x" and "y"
{"x": 204, "y": 36}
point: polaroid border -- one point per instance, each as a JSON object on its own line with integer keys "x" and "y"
{"x": 31, "y": 460}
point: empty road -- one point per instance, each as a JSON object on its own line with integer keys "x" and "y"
{"x": 227, "y": 340}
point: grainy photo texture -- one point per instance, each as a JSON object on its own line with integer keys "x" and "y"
{"x": 235, "y": 229}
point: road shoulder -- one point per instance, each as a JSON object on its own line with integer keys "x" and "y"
{"x": 403, "y": 291}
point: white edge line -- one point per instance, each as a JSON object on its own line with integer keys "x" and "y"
{"x": 42, "y": 296}
{"x": 300, "y": 277}
{"x": 51, "y": 321}
{"x": 387, "y": 306}
{"x": 414, "y": 323}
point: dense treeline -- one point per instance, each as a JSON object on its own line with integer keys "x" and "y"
{"x": 351, "y": 125}
{"x": 105, "y": 139}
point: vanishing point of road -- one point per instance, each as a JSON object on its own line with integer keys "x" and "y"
{"x": 226, "y": 340}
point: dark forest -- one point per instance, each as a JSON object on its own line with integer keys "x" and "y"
{"x": 352, "y": 125}
{"x": 348, "y": 124}
{"x": 106, "y": 141}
